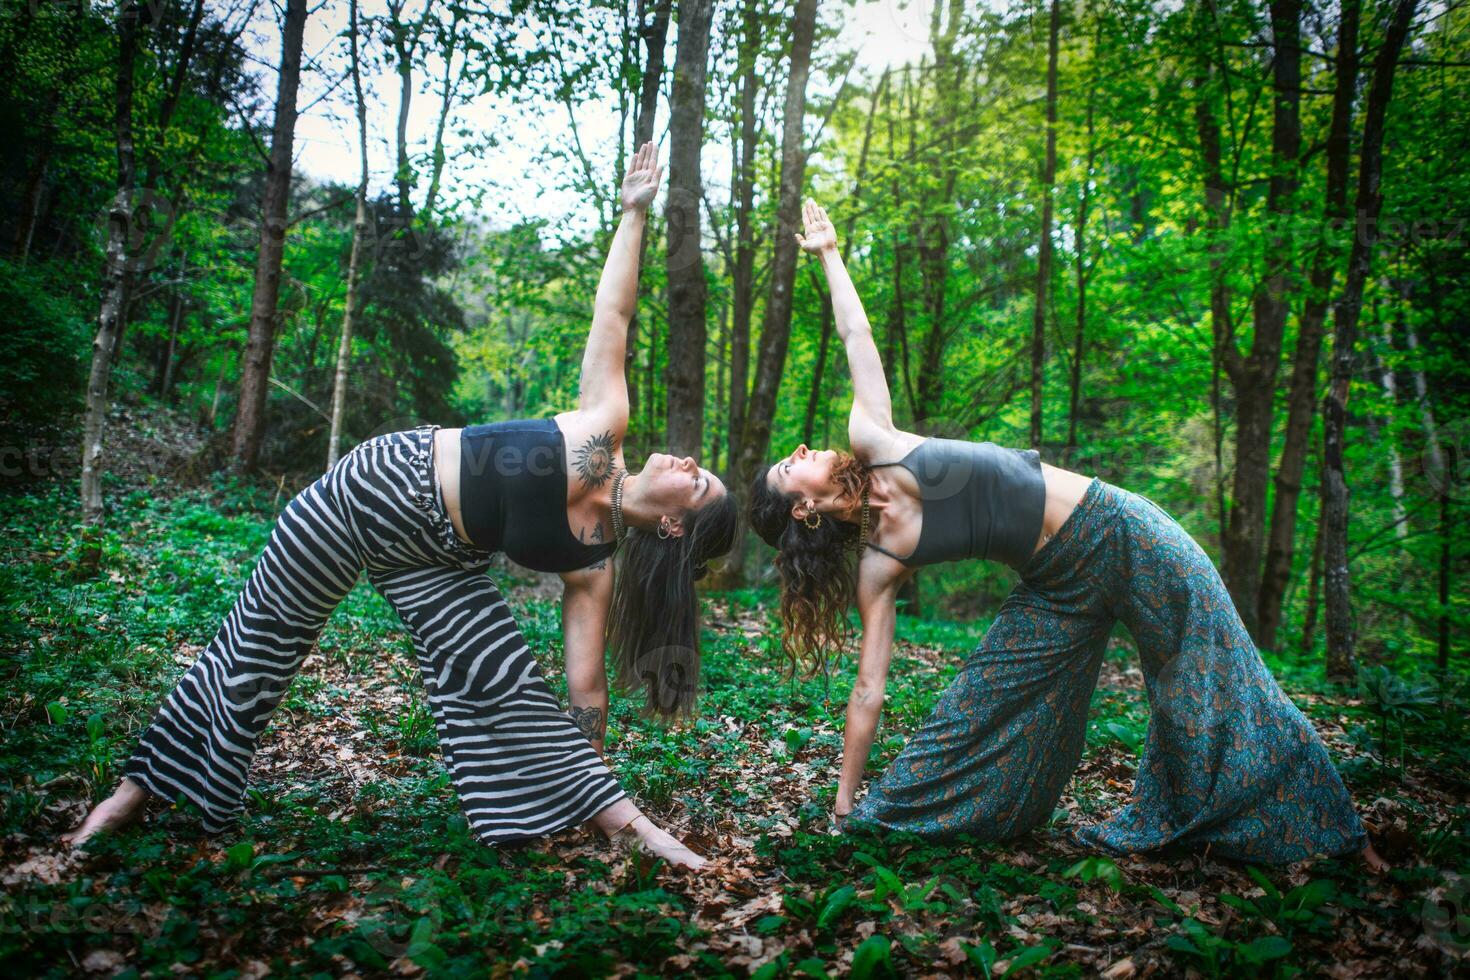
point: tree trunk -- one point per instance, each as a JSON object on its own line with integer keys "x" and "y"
{"x": 655, "y": 35}
{"x": 683, "y": 227}
{"x": 405, "y": 38}
{"x": 650, "y": 379}
{"x": 1442, "y": 481}
{"x": 1338, "y": 593}
{"x": 933, "y": 256}
{"x": 896, "y": 327}
{"x": 1302, "y": 401}
{"x": 219, "y": 381}
{"x": 1388, "y": 439}
{"x": 814, "y": 393}
{"x": 359, "y": 232}
{"x": 1075, "y": 400}
{"x": 934, "y": 237}
{"x": 166, "y": 375}
{"x": 1443, "y": 659}
{"x": 1254, "y": 376}
{"x": 114, "y": 282}
{"x": 722, "y": 364}
{"x": 1314, "y": 588}
{"x": 35, "y": 186}
{"x": 177, "y": 77}
{"x": 147, "y": 240}
{"x": 1217, "y": 222}
{"x": 256, "y": 363}
{"x": 851, "y": 206}
{"x": 743, "y": 280}
{"x": 450, "y": 90}
{"x": 776, "y": 326}
{"x": 1043, "y": 263}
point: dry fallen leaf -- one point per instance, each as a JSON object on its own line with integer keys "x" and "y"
{"x": 103, "y": 961}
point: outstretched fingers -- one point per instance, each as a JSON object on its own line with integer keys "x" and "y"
{"x": 645, "y": 162}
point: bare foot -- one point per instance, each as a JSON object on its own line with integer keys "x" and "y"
{"x": 663, "y": 844}
{"x": 1375, "y": 863}
{"x": 123, "y": 807}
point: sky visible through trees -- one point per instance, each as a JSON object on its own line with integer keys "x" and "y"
{"x": 528, "y": 181}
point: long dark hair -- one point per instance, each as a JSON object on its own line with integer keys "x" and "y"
{"x": 818, "y": 568}
{"x": 653, "y": 625}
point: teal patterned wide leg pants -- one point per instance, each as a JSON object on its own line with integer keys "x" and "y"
{"x": 1229, "y": 762}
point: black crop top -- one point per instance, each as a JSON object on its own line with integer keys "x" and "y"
{"x": 513, "y": 495}
{"x": 978, "y": 500}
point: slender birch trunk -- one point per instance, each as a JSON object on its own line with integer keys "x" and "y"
{"x": 359, "y": 232}
{"x": 114, "y": 285}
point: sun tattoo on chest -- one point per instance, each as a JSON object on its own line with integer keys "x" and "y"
{"x": 594, "y": 459}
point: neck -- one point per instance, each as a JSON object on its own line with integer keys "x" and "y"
{"x": 636, "y": 510}
{"x": 850, "y": 511}
{"x": 850, "y": 508}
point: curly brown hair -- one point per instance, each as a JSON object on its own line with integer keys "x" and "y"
{"x": 818, "y": 567}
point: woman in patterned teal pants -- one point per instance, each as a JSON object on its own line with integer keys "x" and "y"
{"x": 1229, "y": 762}
{"x": 1229, "y": 766}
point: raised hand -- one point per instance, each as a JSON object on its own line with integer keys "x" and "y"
{"x": 820, "y": 235}
{"x": 640, "y": 186}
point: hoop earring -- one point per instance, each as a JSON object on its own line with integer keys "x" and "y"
{"x": 664, "y": 533}
{"x": 813, "y": 525}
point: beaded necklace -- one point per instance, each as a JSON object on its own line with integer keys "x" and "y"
{"x": 620, "y": 531}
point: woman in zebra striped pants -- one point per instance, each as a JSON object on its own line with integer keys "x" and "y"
{"x": 421, "y": 512}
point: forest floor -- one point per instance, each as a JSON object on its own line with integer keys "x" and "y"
{"x": 353, "y": 856}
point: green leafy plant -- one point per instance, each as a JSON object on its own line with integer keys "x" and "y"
{"x": 873, "y": 958}
{"x": 1394, "y": 699}
{"x": 1097, "y": 868}
{"x": 99, "y": 752}
{"x": 911, "y": 898}
{"x": 983, "y": 957}
{"x": 796, "y": 738}
{"x": 1298, "y": 909}
{"x": 1216, "y": 955}
{"x": 1127, "y": 733}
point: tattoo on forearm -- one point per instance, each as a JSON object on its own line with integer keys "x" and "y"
{"x": 594, "y": 459}
{"x": 590, "y": 722}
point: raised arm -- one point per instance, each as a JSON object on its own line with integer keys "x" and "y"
{"x": 604, "y": 386}
{"x": 870, "y": 425}
{"x": 877, "y": 592}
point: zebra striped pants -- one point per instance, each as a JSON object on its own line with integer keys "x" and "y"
{"x": 521, "y": 767}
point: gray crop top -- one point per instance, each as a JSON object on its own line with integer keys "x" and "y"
{"x": 979, "y": 500}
